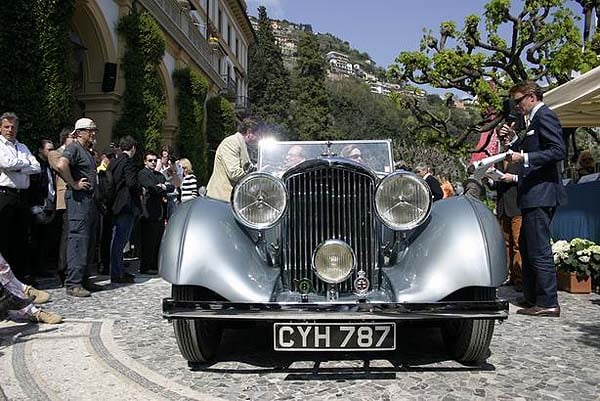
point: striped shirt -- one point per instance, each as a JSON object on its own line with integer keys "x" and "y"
{"x": 189, "y": 188}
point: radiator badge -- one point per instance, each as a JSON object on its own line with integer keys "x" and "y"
{"x": 305, "y": 286}
{"x": 361, "y": 284}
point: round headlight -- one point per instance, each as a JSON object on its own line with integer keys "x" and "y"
{"x": 333, "y": 261}
{"x": 402, "y": 201}
{"x": 259, "y": 201}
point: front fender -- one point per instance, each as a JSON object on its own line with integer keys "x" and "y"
{"x": 461, "y": 246}
{"x": 204, "y": 245}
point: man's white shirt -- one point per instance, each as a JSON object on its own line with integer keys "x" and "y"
{"x": 16, "y": 164}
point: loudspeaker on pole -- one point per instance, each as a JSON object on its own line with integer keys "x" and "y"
{"x": 110, "y": 77}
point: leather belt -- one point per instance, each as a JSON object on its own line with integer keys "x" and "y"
{"x": 10, "y": 190}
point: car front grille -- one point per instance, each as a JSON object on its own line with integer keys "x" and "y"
{"x": 325, "y": 203}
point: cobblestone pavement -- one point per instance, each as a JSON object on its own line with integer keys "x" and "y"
{"x": 115, "y": 345}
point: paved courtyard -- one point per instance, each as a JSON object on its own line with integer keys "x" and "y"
{"x": 115, "y": 346}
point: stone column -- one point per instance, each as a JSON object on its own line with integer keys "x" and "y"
{"x": 103, "y": 108}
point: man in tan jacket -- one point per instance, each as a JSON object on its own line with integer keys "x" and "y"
{"x": 66, "y": 137}
{"x": 232, "y": 161}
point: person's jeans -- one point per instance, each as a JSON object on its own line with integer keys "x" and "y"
{"x": 122, "y": 225}
{"x": 81, "y": 242}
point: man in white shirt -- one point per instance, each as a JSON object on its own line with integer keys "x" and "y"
{"x": 16, "y": 165}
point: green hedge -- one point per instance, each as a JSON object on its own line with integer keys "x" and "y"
{"x": 191, "y": 139}
{"x": 144, "y": 104}
{"x": 220, "y": 124}
{"x": 36, "y": 75}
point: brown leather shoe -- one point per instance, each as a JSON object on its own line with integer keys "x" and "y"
{"x": 540, "y": 311}
{"x": 521, "y": 302}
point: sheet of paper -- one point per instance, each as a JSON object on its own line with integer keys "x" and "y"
{"x": 482, "y": 166}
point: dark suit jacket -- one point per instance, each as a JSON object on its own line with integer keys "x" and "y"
{"x": 436, "y": 188}
{"x": 506, "y": 193}
{"x": 127, "y": 190}
{"x": 38, "y": 184}
{"x": 540, "y": 184}
{"x": 153, "y": 195}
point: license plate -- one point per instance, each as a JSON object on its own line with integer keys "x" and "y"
{"x": 334, "y": 336}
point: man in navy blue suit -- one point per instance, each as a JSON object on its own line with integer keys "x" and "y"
{"x": 539, "y": 192}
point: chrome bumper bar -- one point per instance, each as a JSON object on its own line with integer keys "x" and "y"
{"x": 276, "y": 311}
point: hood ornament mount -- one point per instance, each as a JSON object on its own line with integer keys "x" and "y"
{"x": 328, "y": 152}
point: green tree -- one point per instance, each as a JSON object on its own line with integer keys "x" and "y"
{"x": 359, "y": 114}
{"x": 35, "y": 70}
{"x": 268, "y": 80}
{"x": 191, "y": 138}
{"x": 545, "y": 45}
{"x": 589, "y": 22}
{"x": 310, "y": 108}
{"x": 144, "y": 104}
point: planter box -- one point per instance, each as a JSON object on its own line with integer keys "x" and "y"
{"x": 571, "y": 283}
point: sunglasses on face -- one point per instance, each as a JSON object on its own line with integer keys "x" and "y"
{"x": 151, "y": 160}
{"x": 520, "y": 99}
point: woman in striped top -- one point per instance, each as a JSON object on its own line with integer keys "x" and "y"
{"x": 189, "y": 184}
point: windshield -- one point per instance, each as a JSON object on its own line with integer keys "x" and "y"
{"x": 277, "y": 157}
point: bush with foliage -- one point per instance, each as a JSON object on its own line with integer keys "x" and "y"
{"x": 35, "y": 71}
{"x": 191, "y": 138}
{"x": 144, "y": 104}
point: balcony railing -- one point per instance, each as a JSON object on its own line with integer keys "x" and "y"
{"x": 242, "y": 104}
{"x": 177, "y": 20}
{"x": 230, "y": 90}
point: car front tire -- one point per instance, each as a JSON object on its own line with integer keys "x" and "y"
{"x": 468, "y": 341}
{"x": 198, "y": 340}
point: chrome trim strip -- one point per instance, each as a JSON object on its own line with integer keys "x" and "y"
{"x": 347, "y": 311}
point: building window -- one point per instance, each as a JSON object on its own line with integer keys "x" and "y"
{"x": 220, "y": 21}
{"x": 229, "y": 34}
{"x": 237, "y": 47}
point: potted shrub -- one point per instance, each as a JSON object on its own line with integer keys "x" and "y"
{"x": 576, "y": 261}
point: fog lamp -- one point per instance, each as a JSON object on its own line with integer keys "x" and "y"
{"x": 333, "y": 261}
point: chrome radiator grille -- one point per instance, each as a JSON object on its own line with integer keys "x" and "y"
{"x": 329, "y": 203}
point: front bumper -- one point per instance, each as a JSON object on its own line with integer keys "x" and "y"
{"x": 351, "y": 311}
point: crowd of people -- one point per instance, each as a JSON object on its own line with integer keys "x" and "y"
{"x": 70, "y": 212}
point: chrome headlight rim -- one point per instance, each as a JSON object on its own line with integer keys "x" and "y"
{"x": 416, "y": 223}
{"x": 333, "y": 242}
{"x": 259, "y": 226}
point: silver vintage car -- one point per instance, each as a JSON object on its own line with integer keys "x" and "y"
{"x": 334, "y": 249}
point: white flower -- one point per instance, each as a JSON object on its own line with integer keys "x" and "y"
{"x": 561, "y": 246}
{"x": 584, "y": 259}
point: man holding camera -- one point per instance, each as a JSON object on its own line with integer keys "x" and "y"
{"x": 539, "y": 192}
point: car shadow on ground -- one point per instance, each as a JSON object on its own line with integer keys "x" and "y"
{"x": 418, "y": 349}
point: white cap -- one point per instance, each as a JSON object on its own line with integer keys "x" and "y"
{"x": 84, "y": 123}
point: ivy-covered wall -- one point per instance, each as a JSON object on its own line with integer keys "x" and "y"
{"x": 144, "y": 101}
{"x": 220, "y": 124}
{"x": 191, "y": 139}
{"x": 35, "y": 67}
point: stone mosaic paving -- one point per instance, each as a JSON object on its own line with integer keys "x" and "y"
{"x": 532, "y": 358}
